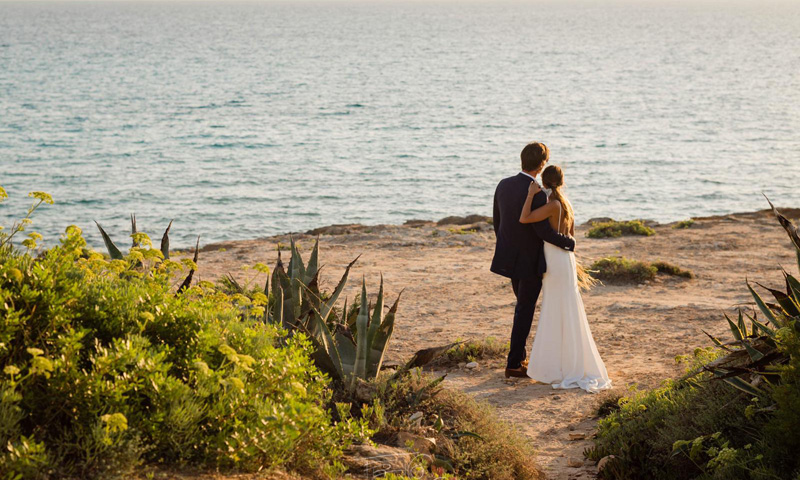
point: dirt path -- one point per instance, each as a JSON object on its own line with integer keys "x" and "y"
{"x": 450, "y": 294}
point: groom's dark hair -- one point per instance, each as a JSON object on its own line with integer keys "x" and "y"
{"x": 534, "y": 156}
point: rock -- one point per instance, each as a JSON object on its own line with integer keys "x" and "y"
{"x": 379, "y": 459}
{"x": 340, "y": 229}
{"x": 577, "y": 436}
{"x": 462, "y": 364}
{"x": 415, "y": 443}
{"x": 471, "y": 365}
{"x": 416, "y": 223}
{"x": 390, "y": 365}
{"x": 468, "y": 220}
{"x": 365, "y": 391}
{"x": 416, "y": 418}
{"x": 574, "y": 462}
{"x": 571, "y": 428}
{"x": 557, "y": 397}
{"x": 604, "y": 461}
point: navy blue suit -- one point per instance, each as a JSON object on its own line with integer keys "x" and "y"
{"x": 519, "y": 255}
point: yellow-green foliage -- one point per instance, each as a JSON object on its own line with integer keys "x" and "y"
{"x": 617, "y": 229}
{"x": 104, "y": 367}
{"x": 684, "y": 224}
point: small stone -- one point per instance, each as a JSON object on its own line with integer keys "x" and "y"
{"x": 577, "y": 436}
{"x": 603, "y": 462}
{"x": 574, "y": 462}
{"x": 557, "y": 397}
{"x": 472, "y": 365}
{"x": 571, "y": 428}
{"x": 415, "y": 443}
{"x": 462, "y": 364}
{"x": 416, "y": 418}
{"x": 438, "y": 329}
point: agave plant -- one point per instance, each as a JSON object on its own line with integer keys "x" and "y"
{"x": 753, "y": 356}
{"x": 350, "y": 344}
{"x": 359, "y": 354}
{"x": 116, "y": 254}
{"x": 296, "y": 290}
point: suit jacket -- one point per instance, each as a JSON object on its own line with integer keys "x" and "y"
{"x": 519, "y": 252}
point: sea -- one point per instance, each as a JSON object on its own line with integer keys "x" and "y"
{"x": 241, "y": 120}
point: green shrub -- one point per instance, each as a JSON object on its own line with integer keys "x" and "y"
{"x": 623, "y": 270}
{"x": 684, "y": 224}
{"x": 736, "y": 417}
{"x": 615, "y": 229}
{"x": 670, "y": 269}
{"x": 105, "y": 367}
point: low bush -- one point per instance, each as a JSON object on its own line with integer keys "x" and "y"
{"x": 684, "y": 224}
{"x": 615, "y": 229}
{"x": 674, "y": 270}
{"x": 623, "y": 270}
{"x": 472, "y": 351}
{"x": 105, "y": 367}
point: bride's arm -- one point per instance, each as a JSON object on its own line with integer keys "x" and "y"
{"x": 541, "y": 213}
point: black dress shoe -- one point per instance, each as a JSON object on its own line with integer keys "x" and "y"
{"x": 519, "y": 372}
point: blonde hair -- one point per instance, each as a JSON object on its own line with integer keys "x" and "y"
{"x": 553, "y": 178}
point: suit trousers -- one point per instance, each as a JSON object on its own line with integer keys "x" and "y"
{"x": 527, "y": 292}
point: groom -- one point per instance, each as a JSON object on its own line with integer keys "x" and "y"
{"x": 519, "y": 253}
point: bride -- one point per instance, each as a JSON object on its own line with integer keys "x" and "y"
{"x": 564, "y": 353}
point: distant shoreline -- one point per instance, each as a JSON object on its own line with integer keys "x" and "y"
{"x": 470, "y": 221}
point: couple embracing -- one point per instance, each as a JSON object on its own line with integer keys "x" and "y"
{"x": 535, "y": 249}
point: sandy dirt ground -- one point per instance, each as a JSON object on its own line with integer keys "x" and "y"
{"x": 450, "y": 294}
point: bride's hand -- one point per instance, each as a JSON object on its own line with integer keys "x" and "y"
{"x": 533, "y": 189}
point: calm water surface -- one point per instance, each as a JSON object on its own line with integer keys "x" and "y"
{"x": 243, "y": 120}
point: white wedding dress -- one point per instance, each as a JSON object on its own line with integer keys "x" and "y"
{"x": 564, "y": 353}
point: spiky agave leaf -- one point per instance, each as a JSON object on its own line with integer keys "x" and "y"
{"x": 165, "y": 241}
{"x": 787, "y": 303}
{"x": 742, "y": 385}
{"x": 773, "y": 319}
{"x": 327, "y": 306}
{"x": 737, "y": 334}
{"x": 113, "y": 251}
{"x": 792, "y": 287}
{"x": 761, "y": 327}
{"x": 327, "y": 357}
{"x": 134, "y": 231}
{"x": 297, "y": 269}
{"x": 375, "y": 322}
{"x": 716, "y": 341}
{"x": 188, "y": 281}
{"x": 791, "y": 229}
{"x": 312, "y": 270}
{"x": 380, "y": 331}
{"x": 362, "y": 329}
